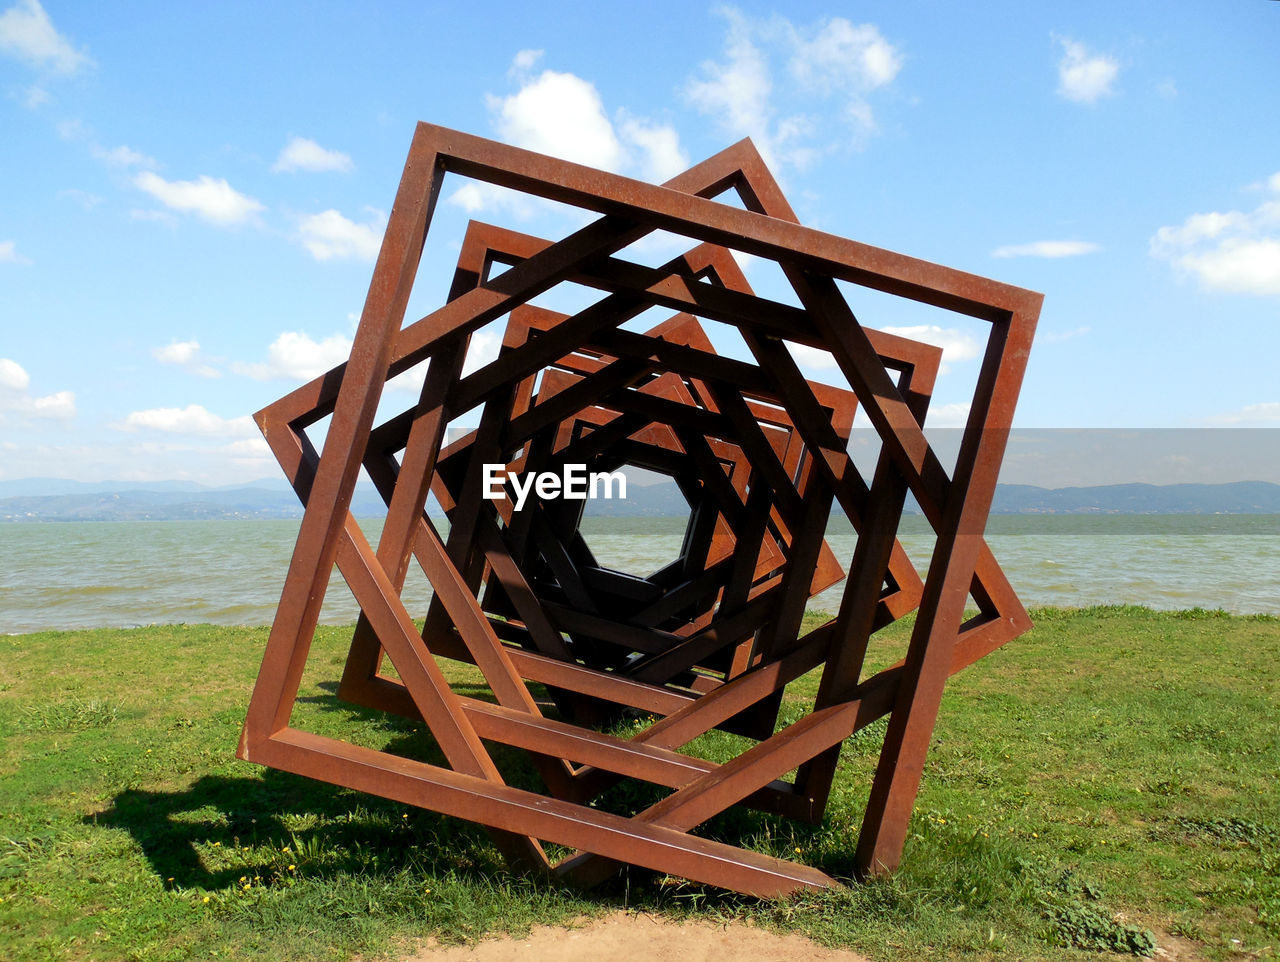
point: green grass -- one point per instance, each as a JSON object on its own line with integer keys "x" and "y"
{"x": 1112, "y": 774}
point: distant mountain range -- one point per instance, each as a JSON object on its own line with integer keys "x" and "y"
{"x": 58, "y": 500}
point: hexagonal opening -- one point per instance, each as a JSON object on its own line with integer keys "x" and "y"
{"x": 643, "y": 535}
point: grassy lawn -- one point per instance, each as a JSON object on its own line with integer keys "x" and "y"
{"x": 1112, "y": 774}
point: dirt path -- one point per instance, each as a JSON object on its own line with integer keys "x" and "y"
{"x": 624, "y": 936}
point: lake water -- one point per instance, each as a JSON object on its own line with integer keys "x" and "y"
{"x": 104, "y": 574}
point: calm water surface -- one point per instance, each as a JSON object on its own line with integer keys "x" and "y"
{"x": 97, "y": 574}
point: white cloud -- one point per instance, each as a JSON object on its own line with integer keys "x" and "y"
{"x": 248, "y": 448}
{"x": 476, "y": 197}
{"x": 738, "y": 90}
{"x": 837, "y": 54}
{"x": 811, "y": 357}
{"x": 16, "y": 398}
{"x": 212, "y": 199}
{"x": 483, "y": 348}
{"x": 1085, "y": 77}
{"x": 1235, "y": 251}
{"x": 562, "y": 115}
{"x": 296, "y": 356}
{"x": 9, "y": 253}
{"x": 122, "y": 156}
{"x": 12, "y": 376}
{"x": 957, "y": 345}
{"x": 330, "y": 236}
{"x": 832, "y": 59}
{"x": 948, "y": 415}
{"x": 34, "y": 97}
{"x": 523, "y": 62}
{"x": 1259, "y": 415}
{"x": 659, "y": 145}
{"x": 303, "y": 154}
{"x": 186, "y": 355}
{"x": 1047, "y": 248}
{"x": 27, "y": 33}
{"x": 938, "y": 416}
{"x": 193, "y": 420}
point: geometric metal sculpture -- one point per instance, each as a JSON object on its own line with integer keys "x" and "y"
{"x": 711, "y": 640}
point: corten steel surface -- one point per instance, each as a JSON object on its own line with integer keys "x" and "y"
{"x": 711, "y": 639}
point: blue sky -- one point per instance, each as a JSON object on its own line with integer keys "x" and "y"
{"x": 191, "y": 195}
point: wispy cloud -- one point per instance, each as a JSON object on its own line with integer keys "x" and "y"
{"x": 9, "y": 253}
{"x": 186, "y": 355}
{"x": 832, "y": 59}
{"x": 16, "y": 397}
{"x": 27, "y": 34}
{"x": 34, "y": 97}
{"x": 301, "y": 154}
{"x": 331, "y": 236}
{"x": 208, "y": 198}
{"x": 1265, "y": 414}
{"x": 193, "y": 420}
{"x": 295, "y": 355}
{"x": 1047, "y": 248}
{"x": 1233, "y": 251}
{"x": 1084, "y": 76}
{"x": 122, "y": 156}
{"x": 957, "y": 345}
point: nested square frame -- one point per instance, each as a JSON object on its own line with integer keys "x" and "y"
{"x": 575, "y": 760}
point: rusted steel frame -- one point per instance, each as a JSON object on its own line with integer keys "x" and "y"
{"x": 335, "y": 477}
{"x": 890, "y": 443}
{"x": 686, "y": 593}
{"x": 544, "y": 634}
{"x": 534, "y": 354}
{"x": 535, "y": 274}
{"x": 620, "y": 756}
{"x": 694, "y": 650}
{"x": 759, "y": 191}
{"x": 460, "y": 547}
{"x": 356, "y": 402}
{"x": 693, "y": 804}
{"x": 671, "y": 209}
{"x": 609, "y": 382}
{"x": 608, "y": 631}
{"x": 747, "y": 564}
{"x": 805, "y": 549}
{"x": 434, "y": 700}
{"x": 956, "y": 554}
{"x": 859, "y": 605}
{"x": 602, "y": 752}
{"x": 315, "y": 400}
{"x": 474, "y": 799}
{"x": 749, "y": 435}
{"x": 714, "y": 709}
{"x": 831, "y": 452}
{"x": 326, "y": 516}
{"x": 564, "y": 567}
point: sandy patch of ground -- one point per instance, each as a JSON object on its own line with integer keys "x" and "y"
{"x": 624, "y": 935}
